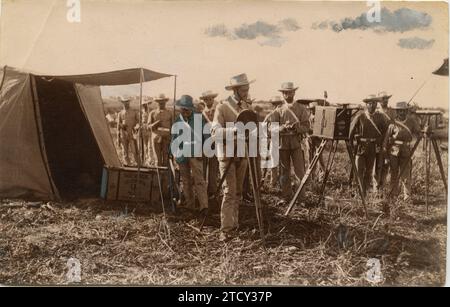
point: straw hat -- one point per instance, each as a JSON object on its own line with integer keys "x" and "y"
{"x": 124, "y": 99}
{"x": 384, "y": 95}
{"x": 208, "y": 94}
{"x": 401, "y": 105}
{"x": 371, "y": 98}
{"x": 147, "y": 100}
{"x": 161, "y": 97}
{"x": 276, "y": 100}
{"x": 288, "y": 87}
{"x": 237, "y": 81}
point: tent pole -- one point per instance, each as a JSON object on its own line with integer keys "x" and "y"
{"x": 138, "y": 143}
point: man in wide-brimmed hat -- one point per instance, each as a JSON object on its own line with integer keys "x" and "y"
{"x": 397, "y": 145}
{"x": 227, "y": 112}
{"x": 211, "y": 164}
{"x": 127, "y": 121}
{"x": 294, "y": 123}
{"x": 368, "y": 128}
{"x": 382, "y": 162}
{"x": 159, "y": 123}
{"x": 384, "y": 108}
{"x": 190, "y": 162}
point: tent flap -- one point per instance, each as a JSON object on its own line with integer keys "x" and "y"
{"x": 119, "y": 77}
{"x": 91, "y": 101}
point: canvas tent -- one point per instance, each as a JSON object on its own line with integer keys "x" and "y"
{"x": 53, "y": 132}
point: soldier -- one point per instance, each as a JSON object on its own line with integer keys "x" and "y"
{"x": 227, "y": 112}
{"x": 369, "y": 128}
{"x": 276, "y": 102}
{"x": 159, "y": 123}
{"x": 382, "y": 161}
{"x": 397, "y": 145}
{"x": 127, "y": 121}
{"x": 294, "y": 123}
{"x": 384, "y": 109}
{"x": 145, "y": 132}
{"x": 191, "y": 167}
{"x": 211, "y": 164}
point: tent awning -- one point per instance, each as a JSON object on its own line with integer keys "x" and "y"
{"x": 118, "y": 77}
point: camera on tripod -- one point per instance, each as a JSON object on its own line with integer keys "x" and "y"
{"x": 333, "y": 122}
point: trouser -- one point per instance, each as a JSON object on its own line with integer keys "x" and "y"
{"x": 232, "y": 192}
{"x": 213, "y": 174}
{"x": 364, "y": 167}
{"x": 145, "y": 148}
{"x": 129, "y": 144}
{"x": 399, "y": 165}
{"x": 274, "y": 178}
{"x": 381, "y": 170}
{"x": 161, "y": 152}
{"x": 191, "y": 174}
{"x": 296, "y": 155}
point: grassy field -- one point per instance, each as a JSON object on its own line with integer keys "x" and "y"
{"x": 124, "y": 243}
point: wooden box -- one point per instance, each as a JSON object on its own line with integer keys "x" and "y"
{"x": 123, "y": 184}
{"x": 332, "y": 122}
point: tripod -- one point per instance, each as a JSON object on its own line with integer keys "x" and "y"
{"x": 429, "y": 145}
{"x": 329, "y": 165}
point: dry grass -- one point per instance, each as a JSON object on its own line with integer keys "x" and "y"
{"x": 123, "y": 243}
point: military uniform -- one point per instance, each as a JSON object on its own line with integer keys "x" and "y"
{"x": 232, "y": 187}
{"x": 145, "y": 137}
{"x": 126, "y": 122}
{"x": 160, "y": 121}
{"x": 291, "y": 143}
{"x": 397, "y": 144}
{"x": 369, "y": 130}
{"x": 382, "y": 162}
{"x": 212, "y": 163}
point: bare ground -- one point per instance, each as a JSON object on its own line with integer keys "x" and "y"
{"x": 120, "y": 243}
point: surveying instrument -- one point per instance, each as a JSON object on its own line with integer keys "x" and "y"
{"x": 331, "y": 124}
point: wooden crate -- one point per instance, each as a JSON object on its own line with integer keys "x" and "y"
{"x": 332, "y": 123}
{"x": 123, "y": 184}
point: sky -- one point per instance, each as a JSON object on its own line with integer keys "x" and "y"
{"x": 317, "y": 45}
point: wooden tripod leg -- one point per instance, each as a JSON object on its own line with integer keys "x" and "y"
{"x": 427, "y": 170}
{"x": 358, "y": 179}
{"x": 306, "y": 176}
{"x": 439, "y": 161}
{"x": 253, "y": 181}
{"x": 328, "y": 167}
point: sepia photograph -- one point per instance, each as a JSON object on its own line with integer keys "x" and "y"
{"x": 256, "y": 143}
